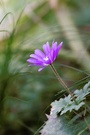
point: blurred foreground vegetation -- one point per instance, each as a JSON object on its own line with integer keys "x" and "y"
{"x": 25, "y": 94}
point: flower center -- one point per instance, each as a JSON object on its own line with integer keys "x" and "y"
{"x": 46, "y": 58}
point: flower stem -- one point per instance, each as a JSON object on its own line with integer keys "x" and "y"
{"x": 61, "y": 81}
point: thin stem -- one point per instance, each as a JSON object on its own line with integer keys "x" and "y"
{"x": 62, "y": 82}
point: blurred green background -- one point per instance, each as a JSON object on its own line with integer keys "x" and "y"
{"x": 25, "y": 25}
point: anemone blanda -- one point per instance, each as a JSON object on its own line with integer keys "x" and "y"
{"x": 46, "y": 57}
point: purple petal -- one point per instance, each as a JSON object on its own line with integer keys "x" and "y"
{"x": 50, "y": 56}
{"x": 54, "y": 45}
{"x": 31, "y": 60}
{"x": 36, "y": 57}
{"x": 39, "y": 53}
{"x": 59, "y": 46}
{"x": 34, "y": 62}
{"x": 46, "y": 48}
{"x": 54, "y": 55}
{"x": 40, "y": 69}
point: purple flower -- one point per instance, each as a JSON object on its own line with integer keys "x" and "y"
{"x": 45, "y": 57}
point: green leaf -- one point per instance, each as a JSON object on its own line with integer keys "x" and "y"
{"x": 54, "y": 126}
{"x": 80, "y": 94}
{"x": 67, "y": 104}
{"x": 58, "y": 106}
{"x": 61, "y": 126}
{"x": 73, "y": 106}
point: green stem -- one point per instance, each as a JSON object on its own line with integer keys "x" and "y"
{"x": 61, "y": 81}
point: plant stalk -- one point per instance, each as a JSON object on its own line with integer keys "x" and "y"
{"x": 62, "y": 82}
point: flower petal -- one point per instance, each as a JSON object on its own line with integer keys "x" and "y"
{"x": 51, "y": 56}
{"x": 36, "y": 57}
{"x": 54, "y": 45}
{"x": 39, "y": 53}
{"x": 40, "y": 69}
{"x": 59, "y": 46}
{"x": 46, "y": 48}
{"x": 34, "y": 62}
